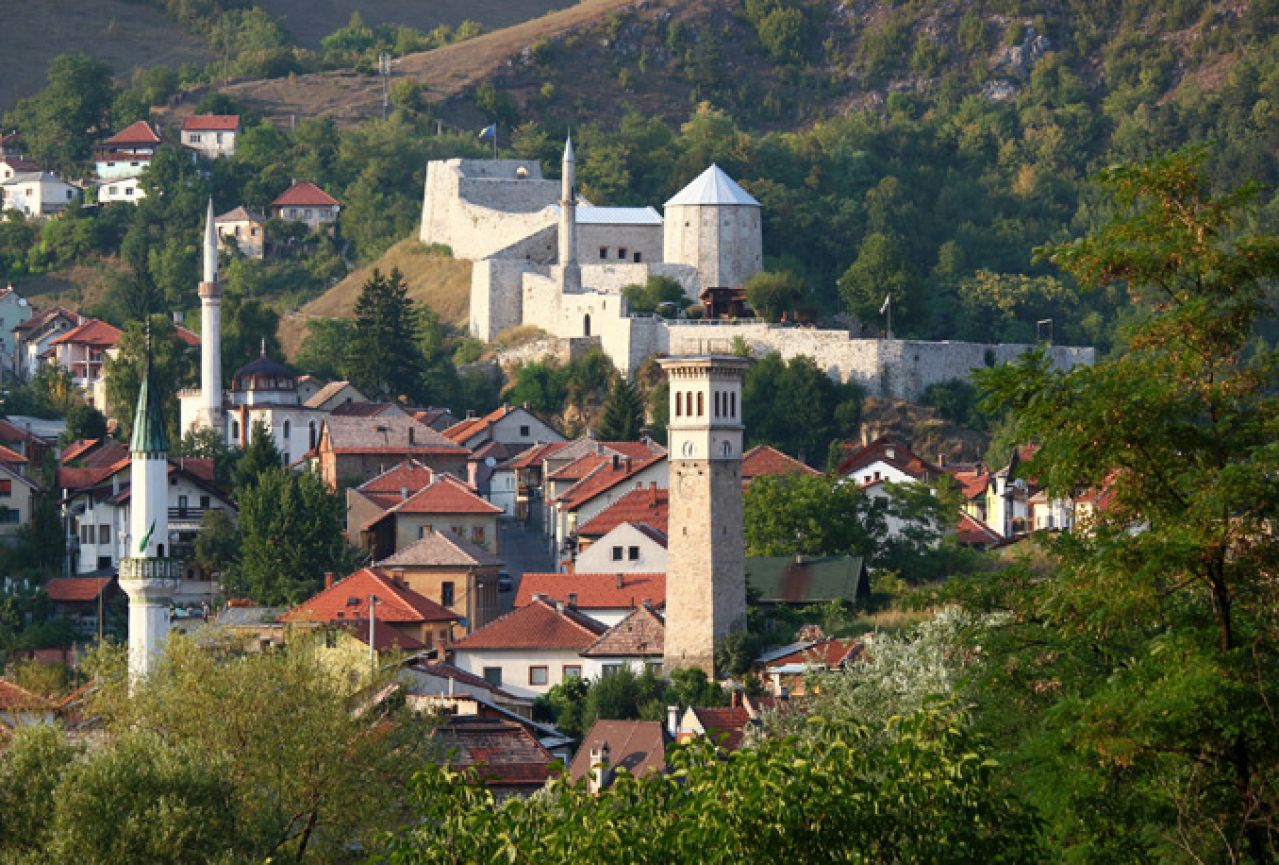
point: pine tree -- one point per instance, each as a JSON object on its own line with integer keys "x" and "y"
{"x": 384, "y": 358}
{"x": 260, "y": 456}
{"x": 623, "y": 419}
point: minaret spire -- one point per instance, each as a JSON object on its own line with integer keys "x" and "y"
{"x": 572, "y": 275}
{"x": 210, "y": 247}
{"x": 210, "y": 411}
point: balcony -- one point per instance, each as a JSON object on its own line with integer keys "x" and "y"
{"x": 150, "y": 569}
{"x": 189, "y": 514}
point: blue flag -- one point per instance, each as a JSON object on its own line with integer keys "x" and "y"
{"x": 488, "y": 132}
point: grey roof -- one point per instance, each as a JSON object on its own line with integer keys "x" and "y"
{"x": 388, "y": 433}
{"x": 807, "y": 580}
{"x": 713, "y": 186}
{"x": 28, "y": 176}
{"x": 592, "y": 215}
{"x": 441, "y": 549}
{"x": 247, "y": 617}
{"x": 239, "y": 214}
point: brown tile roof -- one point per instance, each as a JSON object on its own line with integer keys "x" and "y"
{"x": 362, "y": 409}
{"x": 138, "y": 132}
{"x": 349, "y": 600}
{"x": 603, "y": 478}
{"x": 10, "y": 456}
{"x": 77, "y": 448}
{"x": 973, "y": 480}
{"x": 409, "y": 476}
{"x": 16, "y": 698}
{"x": 830, "y": 653}
{"x": 385, "y": 639}
{"x": 448, "y": 671}
{"x": 538, "y": 625}
{"x": 505, "y": 754}
{"x": 72, "y": 589}
{"x": 594, "y": 591}
{"x": 973, "y": 532}
{"x": 304, "y": 193}
{"x": 11, "y": 432}
{"x": 641, "y": 634}
{"x": 902, "y": 458}
{"x": 238, "y": 214}
{"x": 464, "y": 429}
{"x": 765, "y": 460}
{"x": 441, "y": 549}
{"x": 430, "y": 416}
{"x": 42, "y": 317}
{"x": 534, "y": 455}
{"x": 637, "y": 746}
{"x": 93, "y": 332}
{"x": 72, "y": 479}
{"x": 211, "y": 123}
{"x": 386, "y": 434}
{"x": 648, "y": 505}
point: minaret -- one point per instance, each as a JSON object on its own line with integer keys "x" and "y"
{"x": 210, "y": 413}
{"x": 148, "y": 576}
{"x": 572, "y": 273}
{"x": 706, "y": 563}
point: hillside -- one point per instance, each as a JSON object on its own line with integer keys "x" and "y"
{"x": 435, "y": 281}
{"x": 122, "y": 33}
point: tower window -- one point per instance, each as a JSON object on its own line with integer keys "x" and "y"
{"x": 701, "y": 405}
{"x": 732, "y": 401}
{"x": 679, "y": 403}
{"x": 603, "y": 252}
{"x": 621, "y": 254}
{"x": 717, "y": 404}
{"x": 637, "y": 258}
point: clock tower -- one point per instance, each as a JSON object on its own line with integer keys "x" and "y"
{"x": 706, "y": 558}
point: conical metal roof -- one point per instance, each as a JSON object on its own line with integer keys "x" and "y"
{"x": 713, "y": 186}
{"x": 149, "y": 436}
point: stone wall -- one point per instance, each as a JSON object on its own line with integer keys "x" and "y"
{"x": 595, "y": 238}
{"x": 724, "y": 243}
{"x": 477, "y": 207}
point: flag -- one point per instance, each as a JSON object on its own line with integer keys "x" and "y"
{"x": 883, "y": 307}
{"x": 488, "y": 132}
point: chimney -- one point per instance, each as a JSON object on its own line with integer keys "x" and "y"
{"x": 572, "y": 599}
{"x": 621, "y": 581}
{"x": 328, "y": 579}
{"x": 601, "y": 768}
{"x": 397, "y": 576}
{"x": 404, "y": 493}
{"x": 941, "y": 460}
{"x": 652, "y": 488}
{"x": 559, "y": 607}
{"x": 672, "y": 721}
{"x": 626, "y": 462}
{"x": 617, "y": 461}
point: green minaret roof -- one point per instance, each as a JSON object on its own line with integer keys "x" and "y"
{"x": 149, "y": 436}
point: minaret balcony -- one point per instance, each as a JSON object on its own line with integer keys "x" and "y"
{"x": 150, "y": 569}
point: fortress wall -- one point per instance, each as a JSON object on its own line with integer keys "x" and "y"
{"x": 612, "y": 278}
{"x": 681, "y": 273}
{"x": 541, "y": 307}
{"x": 594, "y": 238}
{"x": 496, "y": 297}
{"x": 724, "y": 243}
{"x": 509, "y": 195}
{"x": 477, "y": 217}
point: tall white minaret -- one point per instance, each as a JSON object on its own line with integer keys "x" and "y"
{"x": 210, "y": 413}
{"x": 148, "y": 576}
{"x": 572, "y": 273}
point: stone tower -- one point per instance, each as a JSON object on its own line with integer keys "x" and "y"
{"x": 569, "y": 268}
{"x": 210, "y": 411}
{"x": 714, "y": 225}
{"x": 706, "y": 562}
{"x": 148, "y": 575}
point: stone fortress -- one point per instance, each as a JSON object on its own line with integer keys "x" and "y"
{"x": 543, "y": 257}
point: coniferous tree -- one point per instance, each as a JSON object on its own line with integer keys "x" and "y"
{"x": 623, "y": 419}
{"x": 384, "y": 357}
{"x": 260, "y": 456}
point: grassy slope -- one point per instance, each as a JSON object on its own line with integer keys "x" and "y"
{"x": 122, "y": 33}
{"x": 443, "y": 284}
{"x": 445, "y": 72}
{"x": 79, "y": 287}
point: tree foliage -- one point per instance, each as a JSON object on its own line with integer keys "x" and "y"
{"x": 623, "y": 418}
{"x": 383, "y": 359}
{"x": 172, "y": 368}
{"x": 795, "y": 407}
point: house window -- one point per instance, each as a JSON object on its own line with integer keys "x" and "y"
{"x": 457, "y": 530}
{"x": 111, "y": 190}
{"x": 446, "y": 594}
{"x": 617, "y": 554}
{"x": 632, "y": 554}
{"x": 493, "y": 675}
{"x": 524, "y": 431}
{"x": 90, "y": 534}
{"x": 104, "y": 533}
{"x": 235, "y": 429}
{"x": 195, "y": 138}
{"x": 477, "y": 535}
{"x": 637, "y": 258}
{"x": 8, "y": 515}
{"x": 6, "y": 488}
{"x": 312, "y": 434}
{"x": 182, "y": 506}
{"x": 204, "y": 503}
{"x": 603, "y": 252}
{"x": 287, "y": 426}
{"x": 610, "y": 669}
{"x": 572, "y": 671}
{"x": 621, "y": 254}
{"x": 537, "y": 675}
{"x": 128, "y": 190}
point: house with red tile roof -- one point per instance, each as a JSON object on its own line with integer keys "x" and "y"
{"x": 243, "y": 230}
{"x": 397, "y": 608}
{"x": 887, "y": 458}
{"x": 639, "y": 747}
{"x": 380, "y": 493}
{"x": 637, "y": 641}
{"x": 643, "y": 505}
{"x": 972, "y": 532}
{"x": 445, "y": 504}
{"x": 598, "y": 482}
{"x": 79, "y": 600}
{"x": 210, "y": 135}
{"x": 508, "y": 424}
{"x": 307, "y": 203}
{"x": 31, "y": 338}
{"x": 353, "y": 449}
{"x": 454, "y": 573}
{"x": 725, "y": 726}
{"x": 530, "y": 649}
{"x": 766, "y": 460}
{"x": 128, "y": 152}
{"x": 507, "y": 757}
{"x": 82, "y": 352}
{"x": 553, "y": 476}
{"x": 973, "y": 482}
{"x": 436, "y": 685}
{"x": 626, "y": 549}
{"x": 606, "y": 597}
{"x": 1008, "y": 495}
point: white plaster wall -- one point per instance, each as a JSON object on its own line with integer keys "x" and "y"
{"x": 515, "y": 665}
{"x": 598, "y": 557}
{"x": 478, "y": 206}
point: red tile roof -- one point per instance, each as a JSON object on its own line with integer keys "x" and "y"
{"x": 10, "y": 456}
{"x": 445, "y": 495}
{"x": 973, "y": 480}
{"x": 74, "y": 450}
{"x": 973, "y": 532}
{"x": 539, "y": 625}
{"x": 11, "y": 432}
{"x": 902, "y": 458}
{"x": 829, "y": 653}
{"x": 349, "y": 600}
{"x": 14, "y": 697}
{"x": 648, "y": 505}
{"x": 594, "y": 591}
{"x": 765, "y": 460}
{"x": 641, "y": 634}
{"x": 725, "y": 726}
{"x": 93, "y": 332}
{"x": 464, "y": 429}
{"x": 138, "y": 132}
{"x": 73, "y": 589}
{"x": 604, "y": 477}
{"x": 211, "y": 123}
{"x": 189, "y": 337}
{"x": 385, "y": 639}
{"x": 71, "y": 478}
{"x": 534, "y": 455}
{"x": 409, "y": 476}
{"x": 304, "y": 193}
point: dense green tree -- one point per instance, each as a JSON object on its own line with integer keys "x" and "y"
{"x": 659, "y": 294}
{"x": 172, "y": 367}
{"x": 1155, "y": 633}
{"x": 60, "y": 123}
{"x": 811, "y": 514}
{"x": 795, "y": 407}
{"x": 881, "y": 271}
{"x": 85, "y": 422}
{"x": 260, "y": 456}
{"x": 291, "y": 523}
{"x": 249, "y": 329}
{"x": 31, "y": 768}
{"x": 208, "y": 443}
{"x": 383, "y": 356}
{"x": 324, "y": 348}
{"x": 776, "y": 294}
{"x": 623, "y": 418}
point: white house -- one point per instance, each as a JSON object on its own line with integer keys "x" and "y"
{"x": 127, "y": 189}
{"x": 38, "y": 193}
{"x": 211, "y": 135}
{"x": 625, "y": 549}
{"x": 33, "y": 336}
{"x": 82, "y": 352}
{"x": 243, "y": 229}
{"x": 508, "y": 425}
{"x": 127, "y": 153}
{"x": 604, "y": 480}
{"x": 11, "y": 165}
{"x": 307, "y": 203}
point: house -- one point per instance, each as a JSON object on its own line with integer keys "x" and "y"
{"x": 251, "y": 627}
{"x": 443, "y": 688}
{"x": 639, "y": 747}
{"x": 210, "y": 135}
{"x": 453, "y": 572}
{"x": 32, "y": 338}
{"x": 20, "y": 708}
{"x": 724, "y": 726}
{"x": 438, "y": 419}
{"x": 530, "y": 649}
{"x": 126, "y": 189}
{"x": 1008, "y": 495}
{"x": 637, "y": 642}
{"x": 625, "y": 549}
{"x": 642, "y": 506}
{"x": 505, "y": 755}
{"x": 973, "y": 481}
{"x": 395, "y": 607}
{"x": 306, "y": 203}
{"x": 527, "y": 468}
{"x": 493, "y": 474}
{"x": 243, "y": 230}
{"x": 607, "y": 598}
{"x": 340, "y": 394}
{"x": 552, "y": 475}
{"x": 354, "y": 449}
{"x": 887, "y": 458}
{"x": 972, "y": 532}
{"x": 128, "y": 152}
{"x": 445, "y": 504}
{"x": 808, "y": 579}
{"x": 595, "y": 482}
{"x": 1049, "y": 513}
{"x": 11, "y": 165}
{"x": 82, "y": 352}
{"x": 82, "y": 600}
{"x": 377, "y": 495}
{"x": 22, "y": 440}
{"x": 766, "y": 460}
{"x": 509, "y": 425}
{"x": 14, "y": 312}
{"x": 785, "y": 667}
{"x": 37, "y": 193}
{"x": 17, "y": 494}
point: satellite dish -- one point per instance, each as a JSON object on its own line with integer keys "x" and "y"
{"x": 22, "y": 301}
{"x": 490, "y": 462}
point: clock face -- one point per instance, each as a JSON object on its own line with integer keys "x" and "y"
{"x": 689, "y": 448}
